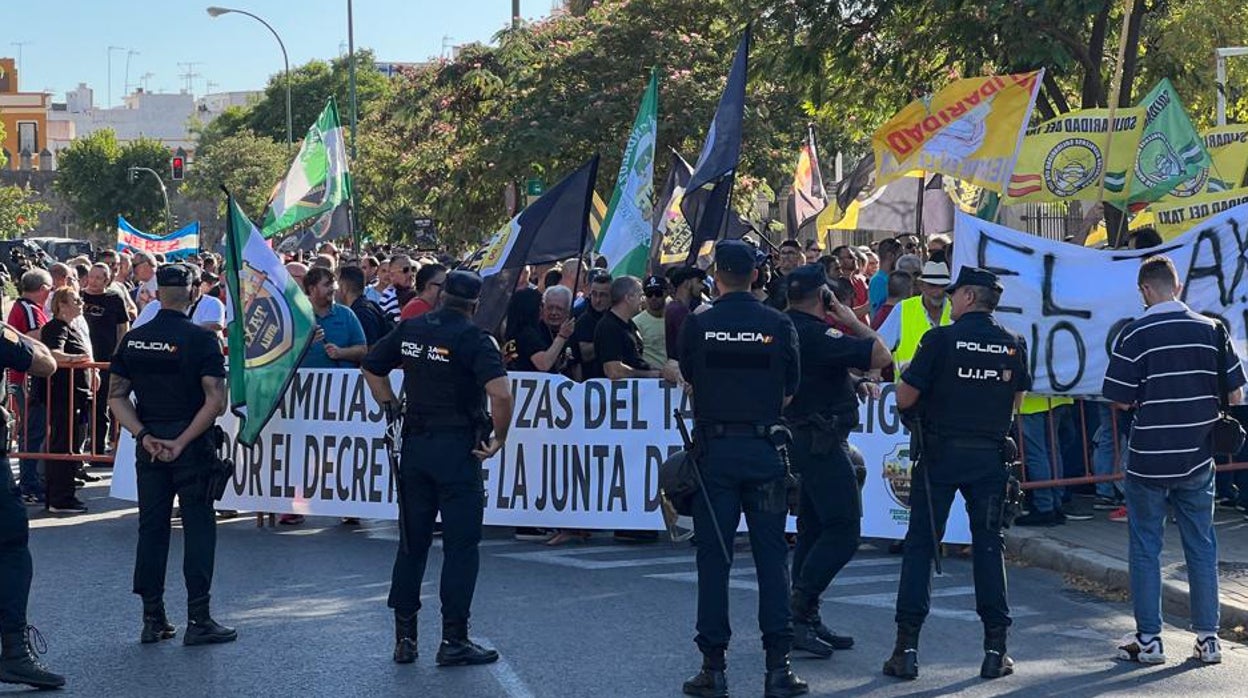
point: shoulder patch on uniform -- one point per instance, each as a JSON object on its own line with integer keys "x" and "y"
{"x": 11, "y": 335}
{"x": 834, "y": 333}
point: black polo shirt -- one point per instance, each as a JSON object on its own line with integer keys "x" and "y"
{"x": 373, "y": 320}
{"x": 618, "y": 340}
{"x": 827, "y": 355}
{"x": 586, "y": 326}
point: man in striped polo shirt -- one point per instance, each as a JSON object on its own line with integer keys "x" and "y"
{"x": 1165, "y": 366}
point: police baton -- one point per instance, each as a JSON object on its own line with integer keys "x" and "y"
{"x": 394, "y": 448}
{"x": 697, "y": 472}
{"x": 927, "y": 486}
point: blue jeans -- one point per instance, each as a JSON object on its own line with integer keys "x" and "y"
{"x": 34, "y": 432}
{"x": 1192, "y": 500}
{"x": 1041, "y": 461}
{"x": 1105, "y": 453}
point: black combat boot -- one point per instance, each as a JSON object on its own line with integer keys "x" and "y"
{"x": 805, "y": 632}
{"x": 457, "y": 650}
{"x": 711, "y": 681}
{"x": 20, "y": 664}
{"x": 405, "y": 651}
{"x": 780, "y": 681}
{"x": 156, "y": 625}
{"x": 201, "y": 629}
{"x": 996, "y": 662}
{"x": 904, "y": 664}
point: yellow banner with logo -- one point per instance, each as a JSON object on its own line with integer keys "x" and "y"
{"x": 970, "y": 130}
{"x": 1064, "y": 159}
{"x": 1228, "y": 150}
{"x": 1173, "y": 217}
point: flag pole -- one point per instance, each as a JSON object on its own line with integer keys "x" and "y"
{"x": 1115, "y": 88}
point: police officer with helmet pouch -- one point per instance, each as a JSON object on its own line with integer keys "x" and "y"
{"x": 176, "y": 371}
{"x": 740, "y": 360}
{"x": 450, "y": 366}
{"x": 821, "y": 415}
{"x": 962, "y": 389}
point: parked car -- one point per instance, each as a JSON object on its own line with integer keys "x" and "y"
{"x": 62, "y": 249}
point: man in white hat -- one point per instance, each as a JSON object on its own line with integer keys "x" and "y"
{"x": 913, "y": 317}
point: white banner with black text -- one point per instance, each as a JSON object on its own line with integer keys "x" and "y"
{"x": 579, "y": 456}
{"x": 1070, "y": 302}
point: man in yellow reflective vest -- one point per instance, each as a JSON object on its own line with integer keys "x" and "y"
{"x": 1039, "y": 420}
{"x": 913, "y": 317}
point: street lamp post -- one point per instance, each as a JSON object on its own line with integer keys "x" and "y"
{"x": 217, "y": 12}
{"x": 351, "y": 71}
{"x": 1222, "y": 54}
{"x": 163, "y": 192}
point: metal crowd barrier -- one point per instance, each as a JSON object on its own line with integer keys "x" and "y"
{"x": 1060, "y": 472}
{"x": 83, "y": 438}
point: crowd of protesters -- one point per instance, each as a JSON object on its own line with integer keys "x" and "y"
{"x": 571, "y": 318}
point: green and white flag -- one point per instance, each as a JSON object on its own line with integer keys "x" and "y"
{"x": 270, "y": 325}
{"x": 1171, "y": 151}
{"x": 627, "y": 230}
{"x": 318, "y": 180}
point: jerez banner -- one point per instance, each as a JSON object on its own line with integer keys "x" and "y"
{"x": 580, "y": 455}
{"x": 1070, "y": 302}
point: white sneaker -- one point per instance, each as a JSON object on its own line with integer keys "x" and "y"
{"x": 1133, "y": 649}
{"x": 1208, "y": 650}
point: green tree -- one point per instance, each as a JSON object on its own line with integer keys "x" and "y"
{"x": 550, "y": 95}
{"x": 93, "y": 175}
{"x": 311, "y": 84}
{"x": 244, "y": 163}
{"x": 19, "y": 212}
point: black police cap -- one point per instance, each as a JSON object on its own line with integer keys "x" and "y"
{"x": 974, "y": 276}
{"x": 806, "y": 279}
{"x": 734, "y": 257}
{"x": 179, "y": 275}
{"x": 463, "y": 284}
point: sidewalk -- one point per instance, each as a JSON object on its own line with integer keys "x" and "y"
{"x": 1097, "y": 550}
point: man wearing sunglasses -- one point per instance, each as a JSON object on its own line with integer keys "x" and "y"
{"x": 402, "y": 271}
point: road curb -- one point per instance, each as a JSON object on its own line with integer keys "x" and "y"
{"x": 1034, "y": 548}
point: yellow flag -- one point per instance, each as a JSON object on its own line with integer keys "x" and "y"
{"x": 1176, "y": 216}
{"x": 970, "y": 130}
{"x": 1063, "y": 159}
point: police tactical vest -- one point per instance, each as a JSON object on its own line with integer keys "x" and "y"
{"x": 973, "y": 395}
{"x": 438, "y": 383}
{"x": 740, "y": 367}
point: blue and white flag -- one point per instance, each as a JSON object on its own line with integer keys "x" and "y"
{"x": 174, "y": 246}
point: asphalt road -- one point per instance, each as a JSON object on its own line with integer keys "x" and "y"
{"x": 585, "y": 620}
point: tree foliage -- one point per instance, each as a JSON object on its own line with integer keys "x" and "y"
{"x": 19, "y": 211}
{"x": 93, "y": 175}
{"x": 244, "y": 163}
{"x": 548, "y": 97}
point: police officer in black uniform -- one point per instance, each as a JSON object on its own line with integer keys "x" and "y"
{"x": 449, "y": 367}
{"x": 177, "y": 374}
{"x": 965, "y": 383}
{"x": 823, "y": 412}
{"x": 18, "y": 661}
{"x": 740, "y": 360}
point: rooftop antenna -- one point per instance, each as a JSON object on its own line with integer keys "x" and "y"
{"x": 19, "y": 45}
{"x": 146, "y": 78}
{"x": 190, "y": 74}
{"x": 129, "y": 53}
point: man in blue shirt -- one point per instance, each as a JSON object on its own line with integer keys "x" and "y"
{"x": 340, "y": 341}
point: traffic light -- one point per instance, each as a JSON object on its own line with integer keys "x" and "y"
{"x": 177, "y": 164}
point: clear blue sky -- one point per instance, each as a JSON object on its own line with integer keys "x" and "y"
{"x": 69, "y": 39}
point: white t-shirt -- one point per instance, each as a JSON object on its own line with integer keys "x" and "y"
{"x": 208, "y": 310}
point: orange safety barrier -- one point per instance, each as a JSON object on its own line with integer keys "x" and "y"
{"x": 56, "y": 411}
{"x": 1080, "y": 423}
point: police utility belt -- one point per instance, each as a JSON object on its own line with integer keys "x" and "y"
{"x": 414, "y": 424}
{"x": 827, "y": 432}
